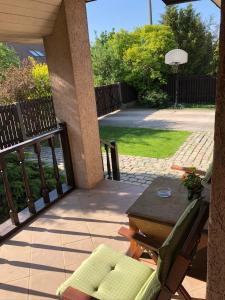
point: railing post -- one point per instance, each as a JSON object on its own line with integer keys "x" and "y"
{"x": 12, "y": 209}
{"x": 115, "y": 161}
{"x": 55, "y": 167}
{"x": 30, "y": 200}
{"x": 67, "y": 155}
{"x": 44, "y": 188}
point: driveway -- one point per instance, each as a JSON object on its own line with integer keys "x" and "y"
{"x": 181, "y": 119}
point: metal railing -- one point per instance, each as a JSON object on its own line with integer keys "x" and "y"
{"x": 34, "y": 206}
{"x": 110, "y": 160}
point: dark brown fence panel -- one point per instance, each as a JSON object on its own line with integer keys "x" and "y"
{"x": 193, "y": 89}
{"x": 10, "y": 130}
{"x": 111, "y": 97}
{"x": 108, "y": 99}
{"x": 38, "y": 116}
{"x": 128, "y": 93}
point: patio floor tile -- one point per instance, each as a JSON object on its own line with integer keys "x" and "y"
{"x": 36, "y": 260}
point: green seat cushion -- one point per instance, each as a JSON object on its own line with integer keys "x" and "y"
{"x": 176, "y": 238}
{"x": 109, "y": 275}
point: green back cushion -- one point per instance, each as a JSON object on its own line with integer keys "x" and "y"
{"x": 176, "y": 238}
{"x": 168, "y": 252}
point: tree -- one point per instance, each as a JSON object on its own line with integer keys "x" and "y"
{"x": 194, "y": 36}
{"x": 145, "y": 58}
{"x": 134, "y": 57}
{"x": 107, "y": 67}
{"x": 8, "y": 58}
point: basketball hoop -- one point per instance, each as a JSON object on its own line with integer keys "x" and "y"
{"x": 175, "y": 58}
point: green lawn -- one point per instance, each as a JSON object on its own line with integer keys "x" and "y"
{"x": 145, "y": 142}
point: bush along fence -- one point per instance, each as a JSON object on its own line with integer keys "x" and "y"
{"x": 192, "y": 89}
{"x": 110, "y": 98}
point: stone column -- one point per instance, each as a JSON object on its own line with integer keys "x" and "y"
{"x": 69, "y": 62}
{"x": 216, "y": 248}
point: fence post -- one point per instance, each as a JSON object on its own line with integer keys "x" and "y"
{"x": 67, "y": 155}
{"x": 115, "y": 161}
{"x": 120, "y": 92}
{"x": 20, "y": 117}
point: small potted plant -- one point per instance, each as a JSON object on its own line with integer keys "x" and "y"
{"x": 193, "y": 183}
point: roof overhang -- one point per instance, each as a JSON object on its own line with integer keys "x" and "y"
{"x": 171, "y": 2}
{"x": 27, "y": 21}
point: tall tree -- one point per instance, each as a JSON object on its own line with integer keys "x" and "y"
{"x": 192, "y": 35}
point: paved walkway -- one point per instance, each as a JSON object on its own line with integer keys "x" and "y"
{"x": 180, "y": 119}
{"x": 197, "y": 151}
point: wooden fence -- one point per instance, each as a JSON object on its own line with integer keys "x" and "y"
{"x": 111, "y": 97}
{"x": 24, "y": 120}
{"x": 193, "y": 89}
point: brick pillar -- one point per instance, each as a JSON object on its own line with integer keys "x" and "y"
{"x": 216, "y": 248}
{"x": 69, "y": 62}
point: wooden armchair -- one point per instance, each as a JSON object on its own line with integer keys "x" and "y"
{"x": 110, "y": 275}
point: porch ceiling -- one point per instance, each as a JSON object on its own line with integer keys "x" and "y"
{"x": 27, "y": 21}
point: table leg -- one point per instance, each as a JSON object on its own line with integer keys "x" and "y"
{"x": 135, "y": 249}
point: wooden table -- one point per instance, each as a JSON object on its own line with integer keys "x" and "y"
{"x": 156, "y": 216}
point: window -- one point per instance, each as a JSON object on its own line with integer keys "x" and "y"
{"x": 36, "y": 53}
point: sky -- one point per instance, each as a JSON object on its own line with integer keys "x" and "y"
{"x": 129, "y": 14}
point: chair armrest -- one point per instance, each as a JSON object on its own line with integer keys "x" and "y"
{"x": 188, "y": 170}
{"x": 126, "y": 232}
{"x": 140, "y": 239}
{"x": 74, "y": 294}
{"x": 146, "y": 242}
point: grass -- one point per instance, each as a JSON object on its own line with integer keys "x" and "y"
{"x": 145, "y": 142}
{"x": 207, "y": 106}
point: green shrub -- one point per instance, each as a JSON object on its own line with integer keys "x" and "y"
{"x": 155, "y": 98}
{"x": 42, "y": 86}
{"x": 27, "y": 82}
{"x": 17, "y": 187}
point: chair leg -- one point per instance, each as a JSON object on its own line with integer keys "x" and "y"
{"x": 184, "y": 293}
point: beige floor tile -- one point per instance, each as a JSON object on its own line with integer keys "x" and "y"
{"x": 15, "y": 290}
{"x": 191, "y": 283}
{"x": 99, "y": 226}
{"x": 44, "y": 285}
{"x": 71, "y": 232}
{"x": 77, "y": 252}
{"x": 13, "y": 270}
{"x": 44, "y": 236}
{"x": 112, "y": 240}
{"x": 199, "y": 294}
{"x": 46, "y": 260}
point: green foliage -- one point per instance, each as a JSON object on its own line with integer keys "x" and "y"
{"x": 17, "y": 187}
{"x": 8, "y": 58}
{"x": 155, "y": 99}
{"x": 145, "y": 58}
{"x": 192, "y": 35}
{"x": 107, "y": 66}
{"x": 27, "y": 82}
{"x": 134, "y": 57}
{"x": 41, "y": 82}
